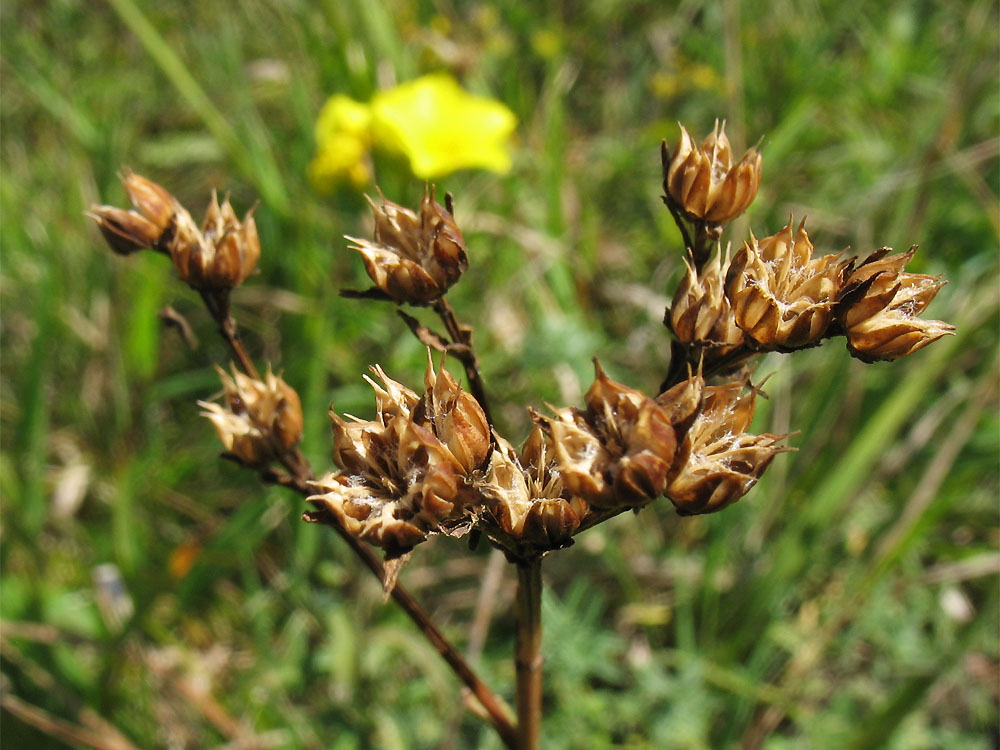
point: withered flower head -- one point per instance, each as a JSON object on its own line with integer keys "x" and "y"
{"x": 129, "y": 231}
{"x": 222, "y": 254}
{"x": 781, "y": 297}
{"x": 700, "y": 313}
{"x": 617, "y": 452}
{"x": 260, "y": 420}
{"x": 406, "y": 474}
{"x": 414, "y": 257}
{"x": 523, "y": 494}
{"x": 718, "y": 461}
{"x": 704, "y": 182}
{"x": 879, "y": 306}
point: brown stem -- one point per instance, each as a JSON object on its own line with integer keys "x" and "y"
{"x": 679, "y": 372}
{"x": 497, "y": 712}
{"x": 298, "y": 475}
{"x": 528, "y": 659}
{"x": 217, "y": 302}
{"x": 678, "y": 217}
{"x": 465, "y": 354}
{"x": 704, "y": 233}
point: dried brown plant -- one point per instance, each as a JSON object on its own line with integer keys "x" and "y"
{"x": 432, "y": 461}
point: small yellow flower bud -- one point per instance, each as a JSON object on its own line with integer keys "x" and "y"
{"x": 704, "y": 182}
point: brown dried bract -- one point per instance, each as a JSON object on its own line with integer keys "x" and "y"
{"x": 524, "y": 495}
{"x": 127, "y": 231}
{"x": 260, "y": 419}
{"x": 414, "y": 257}
{"x": 880, "y": 305}
{"x": 700, "y": 314}
{"x": 781, "y": 297}
{"x": 222, "y": 254}
{"x": 704, "y": 182}
{"x": 407, "y": 473}
{"x": 617, "y": 452}
{"x": 718, "y": 461}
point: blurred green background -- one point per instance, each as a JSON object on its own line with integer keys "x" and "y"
{"x": 849, "y": 601}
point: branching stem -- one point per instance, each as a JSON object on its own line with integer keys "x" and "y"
{"x": 298, "y": 477}
{"x": 465, "y": 354}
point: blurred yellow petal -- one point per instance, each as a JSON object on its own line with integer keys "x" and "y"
{"x": 342, "y": 114}
{"x": 441, "y": 128}
{"x": 340, "y": 156}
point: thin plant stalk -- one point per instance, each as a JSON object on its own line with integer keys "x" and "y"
{"x": 298, "y": 478}
{"x": 463, "y": 336}
{"x": 528, "y": 657}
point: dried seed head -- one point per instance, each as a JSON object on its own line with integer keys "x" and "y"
{"x": 700, "y": 314}
{"x": 781, "y": 297}
{"x": 222, "y": 254}
{"x": 260, "y": 420}
{"x": 129, "y": 231}
{"x": 414, "y": 257}
{"x": 718, "y": 462}
{"x": 879, "y": 305}
{"x": 408, "y": 472}
{"x": 704, "y": 182}
{"x": 616, "y": 453}
{"x": 682, "y": 402}
{"x": 458, "y": 419}
{"x": 523, "y": 494}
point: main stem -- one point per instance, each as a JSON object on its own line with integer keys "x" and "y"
{"x": 495, "y": 711}
{"x": 528, "y": 658}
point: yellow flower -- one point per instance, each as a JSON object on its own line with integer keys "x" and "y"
{"x": 441, "y": 128}
{"x": 342, "y": 114}
{"x": 340, "y": 156}
{"x": 343, "y": 137}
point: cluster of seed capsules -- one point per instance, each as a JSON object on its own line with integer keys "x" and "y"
{"x": 430, "y": 462}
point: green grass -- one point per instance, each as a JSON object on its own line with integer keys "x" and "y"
{"x": 848, "y": 601}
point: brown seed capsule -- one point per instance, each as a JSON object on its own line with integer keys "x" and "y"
{"x": 700, "y": 314}
{"x": 879, "y": 305}
{"x": 458, "y": 419}
{"x": 129, "y": 231}
{"x": 704, "y": 182}
{"x": 222, "y": 254}
{"x": 407, "y": 473}
{"x": 523, "y": 494}
{"x": 616, "y": 453}
{"x": 414, "y": 257}
{"x": 718, "y": 462}
{"x": 781, "y": 297}
{"x": 260, "y": 420}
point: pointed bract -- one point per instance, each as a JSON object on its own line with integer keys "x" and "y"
{"x": 414, "y": 257}
{"x": 704, "y": 182}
